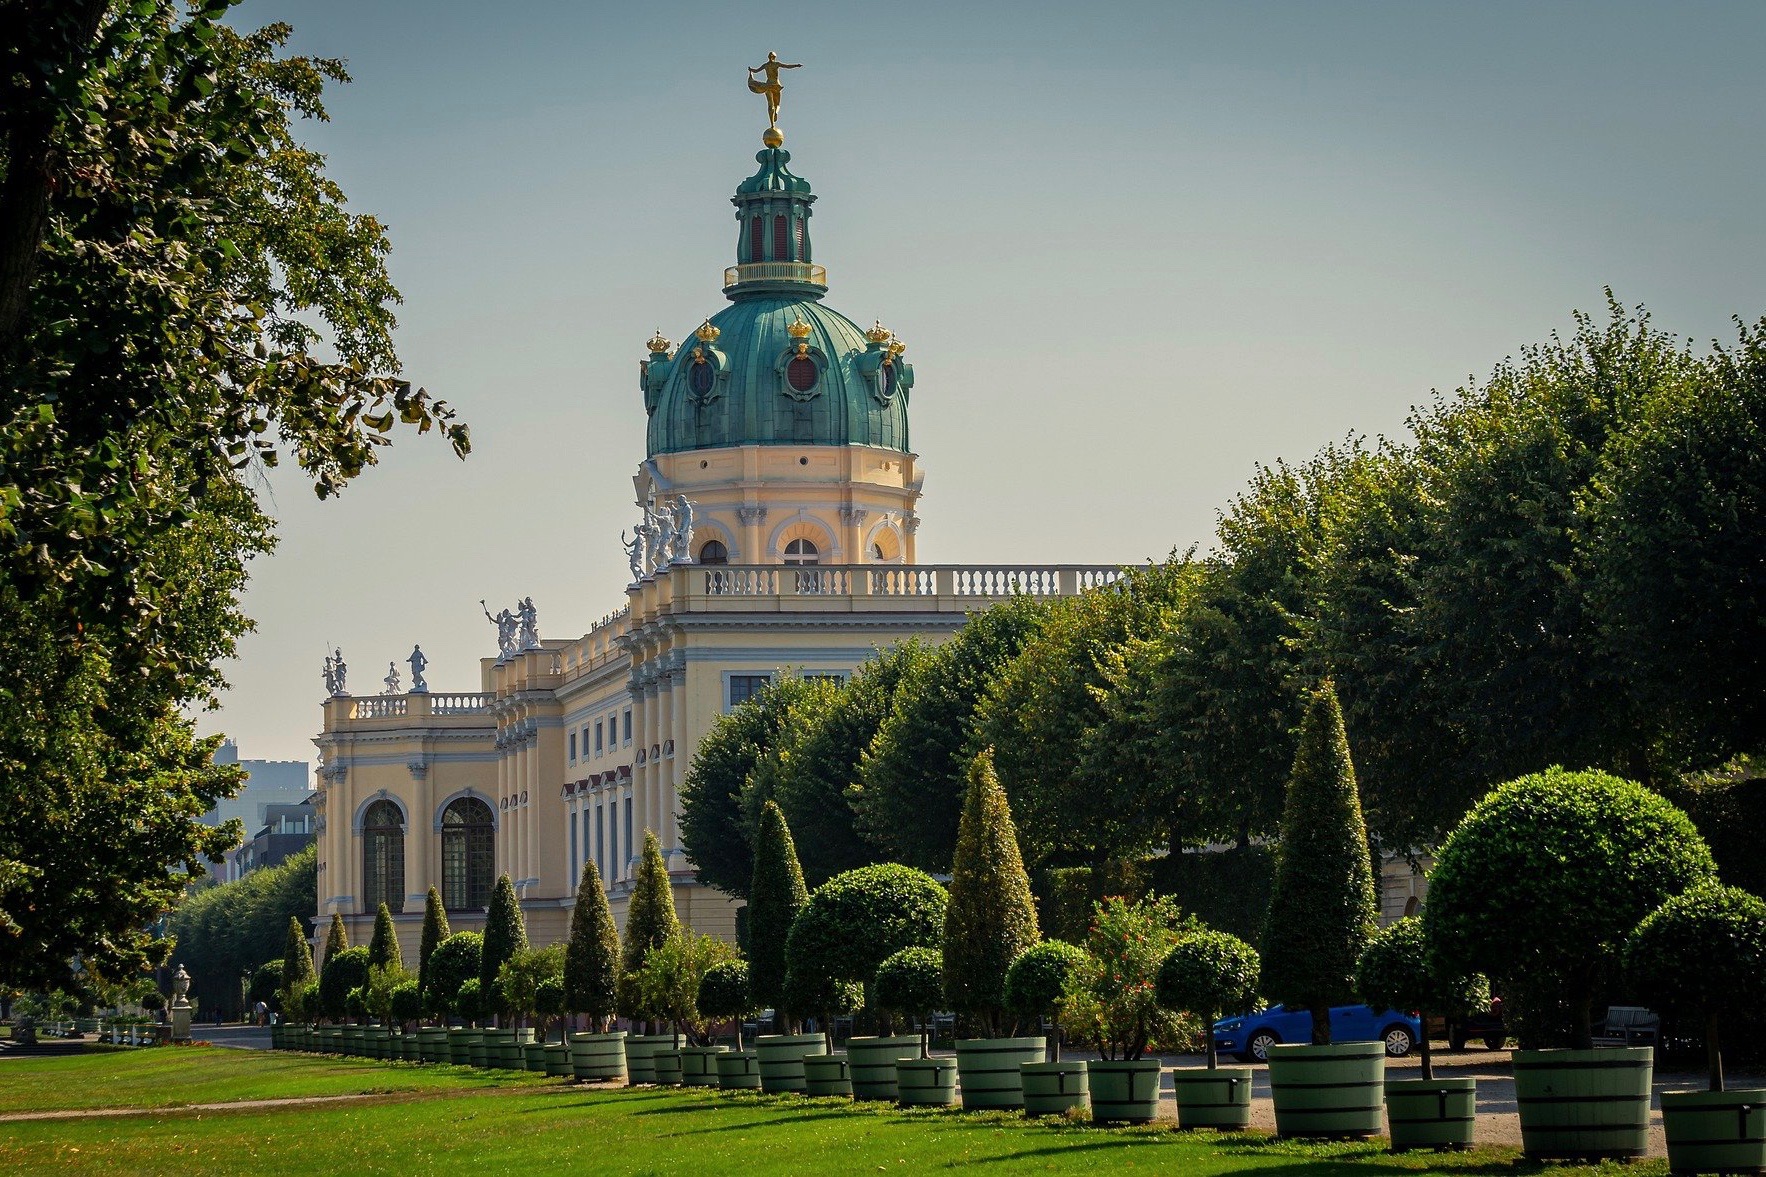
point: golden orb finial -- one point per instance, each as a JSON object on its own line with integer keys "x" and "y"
{"x": 773, "y": 137}
{"x": 798, "y": 329}
{"x": 660, "y": 344}
{"x": 707, "y": 333}
{"x": 878, "y": 333}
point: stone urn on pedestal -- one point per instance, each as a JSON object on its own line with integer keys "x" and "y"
{"x": 180, "y": 1008}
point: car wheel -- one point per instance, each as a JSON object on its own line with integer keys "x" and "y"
{"x": 1258, "y": 1047}
{"x": 1495, "y": 1042}
{"x": 1398, "y": 1040}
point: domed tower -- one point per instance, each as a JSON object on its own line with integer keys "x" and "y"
{"x": 782, "y": 421}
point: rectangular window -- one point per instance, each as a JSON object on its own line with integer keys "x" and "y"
{"x": 597, "y": 737}
{"x": 600, "y": 846}
{"x": 628, "y": 827}
{"x": 744, "y": 687}
{"x": 834, "y": 677}
{"x": 573, "y": 747}
{"x": 613, "y": 838}
{"x": 576, "y": 868}
{"x": 588, "y": 845}
{"x": 781, "y": 240}
{"x": 628, "y": 725}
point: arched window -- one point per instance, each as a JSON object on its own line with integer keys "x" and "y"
{"x": 781, "y": 239}
{"x": 797, "y": 239}
{"x": 383, "y": 857}
{"x": 468, "y": 854}
{"x": 714, "y": 552}
{"x": 756, "y": 239}
{"x": 802, "y": 551}
{"x": 877, "y": 553}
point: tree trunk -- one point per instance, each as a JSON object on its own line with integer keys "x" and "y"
{"x": 1422, "y": 1015}
{"x": 1321, "y": 1025}
{"x": 1713, "y": 1053}
{"x": 1581, "y": 1025}
{"x": 1213, "y": 1054}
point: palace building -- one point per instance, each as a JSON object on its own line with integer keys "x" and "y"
{"x": 780, "y": 499}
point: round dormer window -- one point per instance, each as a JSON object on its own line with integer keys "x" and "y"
{"x": 700, "y": 378}
{"x": 801, "y": 373}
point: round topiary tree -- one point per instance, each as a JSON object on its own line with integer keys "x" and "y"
{"x": 991, "y": 917}
{"x": 1539, "y": 886}
{"x": 407, "y": 1002}
{"x": 824, "y": 996}
{"x": 454, "y": 962}
{"x": 1701, "y": 956}
{"x": 548, "y": 1003}
{"x": 344, "y": 973}
{"x": 1396, "y": 972}
{"x": 911, "y": 982}
{"x": 1036, "y": 980}
{"x": 1322, "y": 904}
{"x": 857, "y": 919}
{"x": 775, "y": 897}
{"x": 469, "y": 1001}
{"x": 725, "y": 995}
{"x": 1208, "y": 973}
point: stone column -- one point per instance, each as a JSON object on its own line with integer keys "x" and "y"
{"x": 665, "y": 729}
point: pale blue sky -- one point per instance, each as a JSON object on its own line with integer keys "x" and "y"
{"x": 1133, "y": 248}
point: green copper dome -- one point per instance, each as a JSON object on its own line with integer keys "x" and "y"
{"x": 776, "y": 367}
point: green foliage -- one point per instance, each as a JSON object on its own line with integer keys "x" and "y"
{"x": 1323, "y": 905}
{"x": 724, "y": 992}
{"x": 671, "y": 977}
{"x": 383, "y": 946}
{"x": 826, "y": 997}
{"x": 227, "y": 929}
{"x": 910, "y": 982}
{"x": 337, "y": 936}
{"x": 591, "y": 957}
{"x": 1037, "y": 979}
{"x": 1540, "y": 884}
{"x": 435, "y": 930}
{"x": 1395, "y": 972}
{"x": 1208, "y": 973}
{"x": 1225, "y": 889}
{"x": 355, "y": 1002}
{"x": 344, "y": 973}
{"x": 857, "y": 919}
{"x": 456, "y": 960}
{"x": 911, "y": 788}
{"x": 775, "y": 898}
{"x": 991, "y": 917}
{"x": 505, "y": 934}
{"x": 470, "y": 1001}
{"x": 1728, "y": 806}
{"x": 1110, "y": 998}
{"x": 297, "y": 963}
{"x": 266, "y": 983}
{"x": 406, "y": 1004}
{"x": 302, "y": 1005}
{"x": 384, "y": 981}
{"x": 1701, "y": 956}
{"x": 549, "y": 997}
{"x": 650, "y": 912}
{"x": 520, "y": 978}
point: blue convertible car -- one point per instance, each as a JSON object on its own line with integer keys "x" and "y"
{"x": 1249, "y": 1036}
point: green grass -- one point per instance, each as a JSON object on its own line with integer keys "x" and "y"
{"x": 455, "y": 1125}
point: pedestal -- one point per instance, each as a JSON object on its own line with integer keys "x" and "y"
{"x": 180, "y": 1023}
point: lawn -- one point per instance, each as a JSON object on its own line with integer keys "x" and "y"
{"x": 454, "y": 1124}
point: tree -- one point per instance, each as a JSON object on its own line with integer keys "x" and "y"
{"x": 591, "y": 957}
{"x": 435, "y": 930}
{"x": 1208, "y": 973}
{"x": 383, "y": 946}
{"x": 725, "y": 995}
{"x": 166, "y": 243}
{"x": 1395, "y": 972}
{"x": 337, "y": 937}
{"x": 774, "y": 899}
{"x": 1701, "y": 955}
{"x": 1110, "y": 996}
{"x": 344, "y": 973}
{"x": 910, "y": 793}
{"x": 505, "y": 934}
{"x": 381, "y": 988}
{"x": 456, "y": 961}
{"x": 671, "y": 977}
{"x": 650, "y": 913}
{"x": 857, "y": 919}
{"x": 521, "y": 976}
{"x": 911, "y": 982}
{"x": 1539, "y": 886}
{"x": 1037, "y": 979}
{"x": 225, "y": 929}
{"x": 1323, "y": 905}
{"x": 297, "y": 965}
{"x": 406, "y": 1002}
{"x": 266, "y": 983}
{"x": 991, "y": 917}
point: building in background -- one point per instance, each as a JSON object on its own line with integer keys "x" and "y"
{"x": 267, "y": 783}
{"x": 287, "y": 830}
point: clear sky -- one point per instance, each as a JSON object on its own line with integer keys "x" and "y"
{"x": 1134, "y": 249}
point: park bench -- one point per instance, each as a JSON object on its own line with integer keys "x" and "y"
{"x": 1628, "y": 1025}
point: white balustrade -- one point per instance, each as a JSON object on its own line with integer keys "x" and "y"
{"x": 459, "y": 704}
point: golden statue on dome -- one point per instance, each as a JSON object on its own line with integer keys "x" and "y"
{"x": 772, "y": 88}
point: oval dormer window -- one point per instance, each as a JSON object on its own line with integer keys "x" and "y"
{"x": 700, "y": 377}
{"x": 887, "y": 378}
{"x": 801, "y": 373}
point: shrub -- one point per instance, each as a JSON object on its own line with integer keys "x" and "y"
{"x": 337, "y": 937}
{"x": 1396, "y": 973}
{"x": 265, "y": 983}
{"x": 591, "y": 958}
{"x": 775, "y": 898}
{"x": 406, "y": 1005}
{"x": 455, "y": 961}
{"x": 518, "y": 981}
{"x": 378, "y": 990}
{"x": 911, "y": 982}
{"x": 991, "y": 917}
{"x": 297, "y": 963}
{"x": 469, "y": 1002}
{"x": 724, "y": 994}
{"x": 670, "y": 979}
{"x": 650, "y": 913}
{"x": 355, "y": 1002}
{"x": 1036, "y": 980}
{"x": 548, "y": 999}
{"x": 383, "y": 946}
{"x": 345, "y": 972}
{"x": 1208, "y": 973}
{"x": 302, "y": 1004}
{"x": 435, "y": 930}
{"x": 1540, "y": 884}
{"x": 1701, "y": 956}
{"x": 505, "y": 934}
{"x": 1322, "y": 905}
{"x": 1110, "y": 997}
{"x": 856, "y": 920}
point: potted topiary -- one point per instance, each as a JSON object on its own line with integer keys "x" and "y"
{"x": 518, "y": 983}
{"x": 1537, "y": 889}
{"x": 470, "y": 1004}
{"x": 405, "y": 1006}
{"x": 591, "y": 974}
{"x": 1110, "y": 1001}
{"x": 670, "y": 983}
{"x": 724, "y": 995}
{"x": 1206, "y": 974}
{"x": 911, "y": 983}
{"x": 454, "y": 962}
{"x": 505, "y": 935}
{"x": 649, "y": 922}
{"x": 1701, "y": 958}
{"x": 1322, "y": 912}
{"x": 548, "y": 1004}
{"x": 825, "y": 1072}
{"x": 989, "y": 923}
{"x": 1396, "y": 973}
{"x": 1033, "y": 989}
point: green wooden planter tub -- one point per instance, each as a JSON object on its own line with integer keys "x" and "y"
{"x": 872, "y": 1063}
{"x": 1584, "y": 1103}
{"x": 667, "y": 1065}
{"x": 738, "y": 1070}
{"x": 512, "y": 1051}
{"x": 827, "y": 1075}
{"x": 781, "y": 1060}
{"x": 699, "y": 1065}
{"x": 1715, "y": 1131}
{"x": 349, "y": 1041}
{"x": 640, "y": 1054}
{"x": 1431, "y": 1113}
{"x": 558, "y": 1060}
{"x": 598, "y": 1058}
{"x": 332, "y": 1039}
{"x": 987, "y": 1070}
{"x": 1218, "y": 1099}
{"x": 533, "y": 1055}
{"x": 493, "y": 1049}
{"x": 1123, "y": 1091}
{"x": 463, "y": 1044}
{"x": 926, "y": 1082}
{"x": 1334, "y": 1091}
{"x": 1051, "y": 1089}
{"x": 432, "y": 1044}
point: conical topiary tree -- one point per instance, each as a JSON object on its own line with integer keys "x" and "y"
{"x": 649, "y": 921}
{"x": 591, "y": 957}
{"x": 383, "y": 946}
{"x": 1322, "y": 905}
{"x": 435, "y": 930}
{"x": 297, "y": 965}
{"x": 774, "y": 900}
{"x": 337, "y": 938}
{"x": 505, "y": 934}
{"x": 991, "y": 919}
